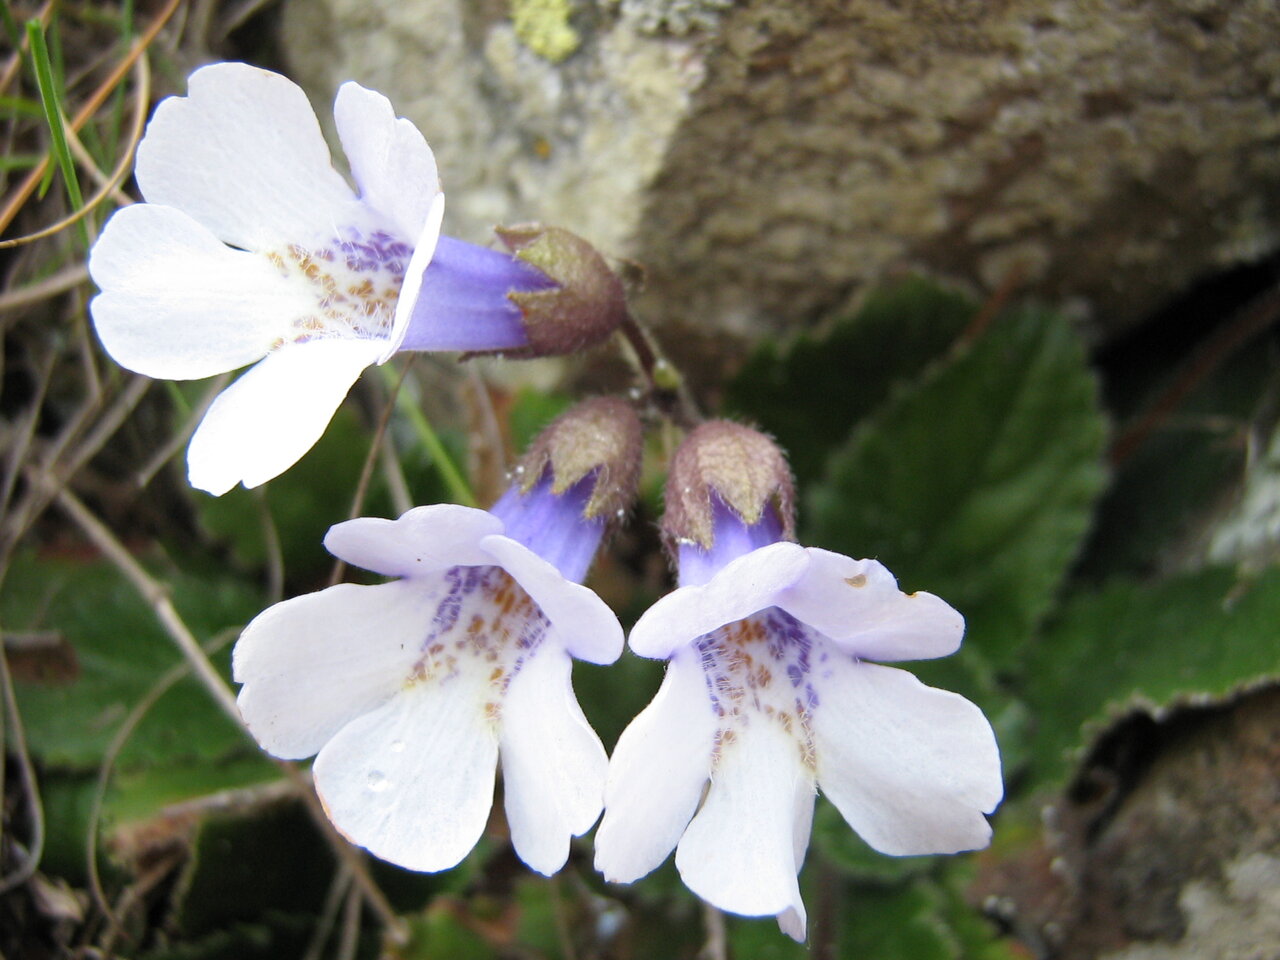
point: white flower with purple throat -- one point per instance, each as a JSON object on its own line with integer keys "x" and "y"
{"x": 252, "y": 248}
{"x": 411, "y": 692}
{"x": 772, "y": 692}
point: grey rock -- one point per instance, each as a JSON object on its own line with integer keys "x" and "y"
{"x": 765, "y": 160}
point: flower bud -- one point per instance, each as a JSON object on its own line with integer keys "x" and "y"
{"x": 601, "y": 436}
{"x": 584, "y": 307}
{"x": 723, "y": 465}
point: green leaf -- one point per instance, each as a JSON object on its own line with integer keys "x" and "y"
{"x": 1198, "y": 634}
{"x": 810, "y": 393}
{"x": 122, "y": 652}
{"x": 976, "y": 483}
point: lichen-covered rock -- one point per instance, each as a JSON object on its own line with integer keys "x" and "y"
{"x": 766, "y": 158}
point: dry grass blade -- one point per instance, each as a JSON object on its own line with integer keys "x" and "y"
{"x": 109, "y": 184}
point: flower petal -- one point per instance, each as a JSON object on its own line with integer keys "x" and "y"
{"x": 743, "y": 587}
{"x": 656, "y": 775}
{"x": 583, "y": 622}
{"x": 390, "y": 160}
{"x": 911, "y": 768}
{"x": 177, "y": 303}
{"x": 412, "y": 782}
{"x": 243, "y": 154}
{"x": 553, "y": 764}
{"x": 423, "y": 539}
{"x": 793, "y": 921}
{"x": 858, "y": 605}
{"x": 739, "y": 852}
{"x": 264, "y": 422}
{"x": 424, "y": 252}
{"x": 312, "y": 664}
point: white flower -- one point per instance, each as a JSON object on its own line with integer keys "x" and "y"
{"x": 411, "y": 691}
{"x": 251, "y": 247}
{"x": 771, "y": 694}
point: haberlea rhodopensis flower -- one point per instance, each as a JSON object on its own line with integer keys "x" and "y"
{"x": 772, "y": 693}
{"x": 252, "y": 247}
{"x": 411, "y": 691}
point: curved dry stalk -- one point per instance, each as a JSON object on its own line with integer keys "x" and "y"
{"x": 32, "y": 787}
{"x": 91, "y": 106}
{"x": 108, "y": 184}
{"x": 121, "y": 737}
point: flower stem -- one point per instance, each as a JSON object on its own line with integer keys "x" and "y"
{"x": 667, "y": 389}
{"x": 459, "y": 489}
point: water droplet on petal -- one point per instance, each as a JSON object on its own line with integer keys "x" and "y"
{"x": 377, "y": 781}
{"x": 397, "y": 746}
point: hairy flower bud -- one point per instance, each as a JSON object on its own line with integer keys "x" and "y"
{"x": 600, "y": 436}
{"x": 740, "y": 468}
{"x": 584, "y": 307}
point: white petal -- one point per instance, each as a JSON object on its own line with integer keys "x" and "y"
{"x": 412, "y": 782}
{"x": 738, "y": 854}
{"x": 793, "y": 921}
{"x": 553, "y": 764}
{"x": 312, "y": 664}
{"x": 911, "y": 768}
{"x": 656, "y": 775}
{"x": 411, "y": 287}
{"x": 264, "y": 422}
{"x": 857, "y": 604}
{"x": 583, "y": 622}
{"x": 422, "y": 540}
{"x": 179, "y": 304}
{"x": 243, "y": 154}
{"x": 745, "y": 586}
{"x": 390, "y": 161}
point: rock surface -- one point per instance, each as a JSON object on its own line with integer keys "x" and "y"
{"x": 766, "y": 159}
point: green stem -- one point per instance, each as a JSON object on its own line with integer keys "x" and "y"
{"x": 459, "y": 489}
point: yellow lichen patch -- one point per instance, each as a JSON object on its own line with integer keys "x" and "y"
{"x": 543, "y": 27}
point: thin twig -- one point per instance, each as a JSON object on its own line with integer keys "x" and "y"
{"x": 393, "y": 477}
{"x": 19, "y": 445}
{"x": 60, "y": 282}
{"x": 157, "y": 597}
{"x": 271, "y": 542}
{"x": 91, "y": 106}
{"x": 366, "y": 470}
{"x": 333, "y": 901}
{"x": 183, "y": 434}
{"x": 31, "y": 788}
{"x": 717, "y": 943}
{"x": 350, "y": 933}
